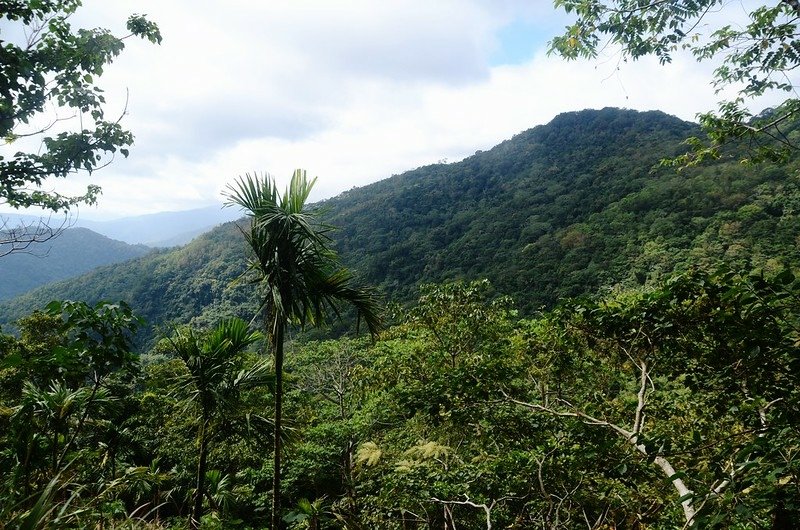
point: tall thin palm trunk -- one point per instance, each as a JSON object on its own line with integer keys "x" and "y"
{"x": 276, "y": 480}
{"x": 197, "y": 511}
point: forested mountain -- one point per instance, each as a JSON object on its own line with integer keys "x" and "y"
{"x": 166, "y": 286}
{"x": 566, "y": 208}
{"x": 670, "y": 400}
{"x": 72, "y": 253}
{"x": 560, "y": 210}
{"x": 585, "y": 337}
{"x": 514, "y": 213}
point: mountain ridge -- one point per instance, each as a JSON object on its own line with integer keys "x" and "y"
{"x": 160, "y": 229}
{"x": 70, "y": 253}
{"x": 560, "y": 210}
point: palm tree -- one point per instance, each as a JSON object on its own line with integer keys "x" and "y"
{"x": 49, "y": 417}
{"x": 215, "y": 378}
{"x": 300, "y": 276}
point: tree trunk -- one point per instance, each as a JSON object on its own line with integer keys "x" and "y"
{"x": 348, "y": 469}
{"x": 54, "y": 452}
{"x": 449, "y": 522}
{"x": 197, "y": 511}
{"x": 276, "y": 481}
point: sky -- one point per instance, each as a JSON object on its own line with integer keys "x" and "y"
{"x": 352, "y": 91}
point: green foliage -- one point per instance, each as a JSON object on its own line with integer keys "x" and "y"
{"x": 75, "y": 342}
{"x": 72, "y": 366}
{"x": 99, "y": 337}
{"x": 754, "y": 58}
{"x": 566, "y": 209}
{"x": 460, "y": 319}
{"x": 500, "y": 213}
{"x": 434, "y": 431}
{"x": 526, "y": 428}
{"x": 697, "y": 374}
{"x": 57, "y": 65}
{"x": 645, "y": 407}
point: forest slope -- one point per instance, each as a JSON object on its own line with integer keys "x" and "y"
{"x": 567, "y": 208}
{"x": 560, "y": 210}
{"x": 72, "y": 253}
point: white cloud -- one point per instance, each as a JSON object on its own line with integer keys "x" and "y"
{"x": 352, "y": 90}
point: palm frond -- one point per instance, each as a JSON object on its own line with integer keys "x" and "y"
{"x": 251, "y": 193}
{"x": 214, "y": 375}
{"x": 292, "y": 256}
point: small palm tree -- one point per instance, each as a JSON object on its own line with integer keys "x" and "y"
{"x": 51, "y": 415}
{"x": 215, "y": 378}
{"x": 300, "y": 276}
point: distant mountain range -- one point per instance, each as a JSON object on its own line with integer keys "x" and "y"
{"x": 565, "y": 209}
{"x": 160, "y": 230}
{"x": 164, "y": 229}
{"x": 84, "y": 244}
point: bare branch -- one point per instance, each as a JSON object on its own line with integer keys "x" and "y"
{"x": 543, "y": 490}
{"x": 631, "y": 437}
{"x": 638, "y": 421}
{"x": 487, "y": 508}
{"x": 24, "y": 236}
{"x": 600, "y": 518}
{"x": 39, "y": 131}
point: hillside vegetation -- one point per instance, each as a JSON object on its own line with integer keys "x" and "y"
{"x": 566, "y": 208}
{"x": 73, "y": 252}
{"x": 560, "y": 210}
{"x": 667, "y": 395}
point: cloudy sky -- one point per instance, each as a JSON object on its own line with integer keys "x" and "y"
{"x": 353, "y": 91}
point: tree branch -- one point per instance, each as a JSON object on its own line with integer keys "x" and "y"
{"x": 638, "y": 421}
{"x": 21, "y": 238}
{"x": 486, "y": 508}
{"x": 631, "y": 437}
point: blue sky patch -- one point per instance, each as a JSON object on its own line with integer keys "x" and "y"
{"x": 518, "y": 42}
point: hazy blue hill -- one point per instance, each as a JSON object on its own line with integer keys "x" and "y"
{"x": 163, "y": 229}
{"x": 563, "y": 209}
{"x": 72, "y": 253}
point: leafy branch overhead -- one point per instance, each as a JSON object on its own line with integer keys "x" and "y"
{"x": 48, "y": 82}
{"x": 754, "y": 58}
